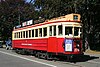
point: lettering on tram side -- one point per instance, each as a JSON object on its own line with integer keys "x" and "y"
{"x": 26, "y": 44}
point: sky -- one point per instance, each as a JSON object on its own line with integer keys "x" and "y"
{"x": 28, "y": 0}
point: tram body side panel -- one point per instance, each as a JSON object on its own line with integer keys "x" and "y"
{"x": 73, "y": 49}
{"x": 52, "y": 44}
{"x": 56, "y": 45}
{"x": 35, "y": 44}
{"x": 61, "y": 47}
{"x": 76, "y": 47}
{"x": 60, "y": 42}
{"x": 16, "y": 43}
{"x": 38, "y": 44}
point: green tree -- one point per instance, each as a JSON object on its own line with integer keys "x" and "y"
{"x": 12, "y": 13}
{"x": 90, "y": 12}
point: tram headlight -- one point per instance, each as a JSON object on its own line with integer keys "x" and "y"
{"x": 77, "y": 45}
{"x": 76, "y": 50}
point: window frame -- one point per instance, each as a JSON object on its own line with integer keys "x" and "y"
{"x": 44, "y": 32}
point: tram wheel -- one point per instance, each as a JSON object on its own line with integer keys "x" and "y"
{"x": 46, "y": 56}
{"x": 69, "y": 58}
{"x": 38, "y": 54}
{"x": 23, "y": 52}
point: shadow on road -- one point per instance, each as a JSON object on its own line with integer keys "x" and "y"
{"x": 82, "y": 58}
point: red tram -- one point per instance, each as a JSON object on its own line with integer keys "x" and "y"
{"x": 58, "y": 36}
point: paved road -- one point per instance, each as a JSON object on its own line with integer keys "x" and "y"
{"x": 11, "y": 59}
{"x": 7, "y": 59}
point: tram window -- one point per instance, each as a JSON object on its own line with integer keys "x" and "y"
{"x": 60, "y": 30}
{"x": 76, "y": 31}
{"x": 19, "y": 35}
{"x": 33, "y": 33}
{"x": 45, "y": 31}
{"x": 23, "y": 34}
{"x": 75, "y": 17}
{"x": 50, "y": 30}
{"x": 54, "y": 30}
{"x": 68, "y": 31}
{"x": 36, "y": 32}
{"x": 81, "y": 30}
{"x": 40, "y": 32}
{"x": 29, "y": 33}
{"x": 26, "y": 34}
{"x": 14, "y": 35}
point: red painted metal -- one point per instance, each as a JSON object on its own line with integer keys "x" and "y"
{"x": 35, "y": 44}
{"x": 51, "y": 44}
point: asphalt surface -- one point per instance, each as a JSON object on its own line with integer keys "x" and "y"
{"x": 9, "y": 59}
{"x": 12, "y": 59}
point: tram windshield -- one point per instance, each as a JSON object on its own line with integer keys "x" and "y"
{"x": 72, "y": 31}
{"x": 76, "y": 31}
{"x": 68, "y": 31}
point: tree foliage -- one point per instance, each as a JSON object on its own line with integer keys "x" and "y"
{"x": 12, "y": 13}
{"x": 90, "y": 18}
